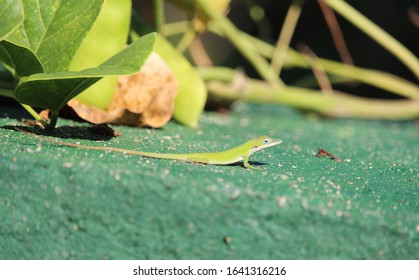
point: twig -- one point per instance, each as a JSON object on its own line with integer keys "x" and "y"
{"x": 336, "y": 32}
{"x": 230, "y": 31}
{"x": 43, "y": 123}
{"x": 285, "y": 35}
{"x": 337, "y": 105}
{"x": 199, "y": 54}
{"x": 159, "y": 15}
{"x": 377, "y": 34}
{"x": 186, "y": 40}
{"x": 318, "y": 70}
{"x": 323, "y": 153}
{"x": 374, "y": 78}
{"x": 413, "y": 16}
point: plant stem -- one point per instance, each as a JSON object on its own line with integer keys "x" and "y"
{"x": 337, "y": 105}
{"x": 336, "y": 32}
{"x": 233, "y": 34}
{"x": 34, "y": 114}
{"x": 6, "y": 93}
{"x": 376, "y": 33}
{"x": 375, "y": 78}
{"x": 31, "y": 111}
{"x": 174, "y": 28}
{"x": 159, "y": 15}
{"x": 187, "y": 38}
{"x": 53, "y": 121}
{"x": 285, "y": 36}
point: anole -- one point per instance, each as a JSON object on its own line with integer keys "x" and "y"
{"x": 233, "y": 155}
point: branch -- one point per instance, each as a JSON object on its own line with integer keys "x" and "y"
{"x": 339, "y": 104}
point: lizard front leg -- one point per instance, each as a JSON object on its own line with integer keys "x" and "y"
{"x": 246, "y": 161}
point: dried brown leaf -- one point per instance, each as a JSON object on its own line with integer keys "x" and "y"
{"x": 143, "y": 99}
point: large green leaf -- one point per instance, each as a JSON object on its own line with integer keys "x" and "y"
{"x": 19, "y": 60}
{"x": 54, "y": 90}
{"x": 110, "y": 32}
{"x": 54, "y": 29}
{"x": 11, "y": 16}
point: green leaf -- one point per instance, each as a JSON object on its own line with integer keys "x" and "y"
{"x": 20, "y": 61}
{"x": 192, "y": 93}
{"x": 54, "y": 29}
{"x": 54, "y": 90}
{"x": 110, "y": 32}
{"x": 11, "y": 16}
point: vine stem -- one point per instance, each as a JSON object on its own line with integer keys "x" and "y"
{"x": 285, "y": 36}
{"x": 375, "y": 78}
{"x": 159, "y": 15}
{"x": 53, "y": 121}
{"x": 377, "y": 34}
{"x": 339, "y": 104}
{"x": 34, "y": 114}
{"x": 229, "y": 30}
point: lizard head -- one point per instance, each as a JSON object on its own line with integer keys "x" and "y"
{"x": 262, "y": 142}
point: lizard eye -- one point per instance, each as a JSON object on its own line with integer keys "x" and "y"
{"x": 267, "y": 141}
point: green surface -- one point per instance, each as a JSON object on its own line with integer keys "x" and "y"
{"x": 67, "y": 203}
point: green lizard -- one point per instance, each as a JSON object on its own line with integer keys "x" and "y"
{"x": 233, "y": 155}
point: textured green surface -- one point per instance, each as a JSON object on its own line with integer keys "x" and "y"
{"x": 66, "y": 203}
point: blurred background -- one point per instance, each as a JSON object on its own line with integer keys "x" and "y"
{"x": 263, "y": 19}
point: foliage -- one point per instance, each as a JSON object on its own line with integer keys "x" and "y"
{"x": 39, "y": 50}
{"x": 270, "y": 61}
{"x": 45, "y": 45}
{"x": 109, "y": 34}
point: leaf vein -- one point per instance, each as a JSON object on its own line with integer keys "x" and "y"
{"x": 39, "y": 95}
{"x": 75, "y": 20}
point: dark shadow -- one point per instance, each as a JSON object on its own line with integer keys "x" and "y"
{"x": 253, "y": 163}
{"x": 94, "y": 132}
{"x": 13, "y": 110}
